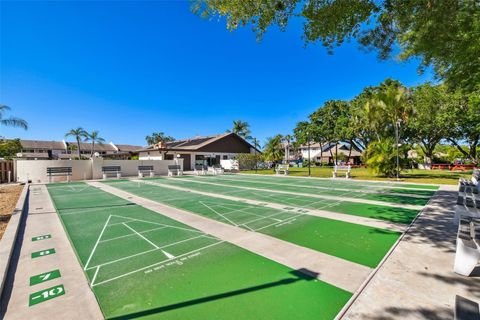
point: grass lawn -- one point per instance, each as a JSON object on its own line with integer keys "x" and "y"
{"x": 415, "y": 175}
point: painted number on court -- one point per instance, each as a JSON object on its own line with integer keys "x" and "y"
{"x": 39, "y": 278}
{"x": 46, "y": 236}
{"x": 47, "y": 294}
{"x": 43, "y": 253}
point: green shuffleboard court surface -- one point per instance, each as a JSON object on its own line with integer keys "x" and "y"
{"x": 298, "y": 188}
{"x": 356, "y": 243}
{"x": 342, "y": 183}
{"x": 141, "y": 264}
{"x": 394, "y": 214}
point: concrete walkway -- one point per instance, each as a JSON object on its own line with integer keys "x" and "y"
{"x": 78, "y": 301}
{"x": 319, "y": 196}
{"x": 417, "y": 281}
{"x": 369, "y": 222}
{"x": 338, "y": 272}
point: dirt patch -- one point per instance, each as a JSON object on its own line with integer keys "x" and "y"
{"x": 8, "y": 199}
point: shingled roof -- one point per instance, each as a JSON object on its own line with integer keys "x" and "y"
{"x": 192, "y": 144}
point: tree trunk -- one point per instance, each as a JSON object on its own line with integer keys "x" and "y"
{"x": 93, "y": 148}
{"x": 349, "y": 152}
{"x": 336, "y": 153}
{"x": 78, "y": 146}
{"x": 321, "y": 152}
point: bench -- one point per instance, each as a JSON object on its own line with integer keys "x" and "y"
{"x": 174, "y": 169}
{"x": 215, "y": 169}
{"x": 59, "y": 171}
{"x": 440, "y": 166}
{"x": 282, "y": 167}
{"x": 142, "y": 170}
{"x": 466, "y": 309}
{"x": 462, "y": 167}
{"x": 200, "y": 170}
{"x": 347, "y": 169}
{"x": 467, "y": 254}
{"x": 111, "y": 170}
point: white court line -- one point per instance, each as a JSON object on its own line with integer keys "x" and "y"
{"x": 157, "y": 223}
{"x": 153, "y": 244}
{"x": 254, "y": 214}
{"x": 157, "y": 263}
{"x": 96, "y": 243}
{"x": 221, "y": 215}
{"x": 144, "y": 252}
{"x": 129, "y": 235}
{"x": 94, "y": 277}
{"x": 333, "y": 188}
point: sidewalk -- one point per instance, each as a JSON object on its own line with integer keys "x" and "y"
{"x": 417, "y": 281}
{"x": 46, "y": 283}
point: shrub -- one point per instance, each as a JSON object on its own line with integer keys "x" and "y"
{"x": 381, "y": 157}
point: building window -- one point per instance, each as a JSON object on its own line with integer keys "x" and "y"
{"x": 225, "y": 157}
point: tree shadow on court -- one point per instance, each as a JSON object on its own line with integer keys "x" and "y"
{"x": 298, "y": 275}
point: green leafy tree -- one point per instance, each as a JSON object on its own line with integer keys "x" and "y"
{"x": 11, "y": 121}
{"x": 79, "y": 134}
{"x": 443, "y": 34}
{"x": 465, "y": 132}
{"x": 94, "y": 137}
{"x": 433, "y": 117}
{"x": 241, "y": 128}
{"x": 273, "y": 149}
{"x": 158, "y": 137}
{"x": 9, "y": 148}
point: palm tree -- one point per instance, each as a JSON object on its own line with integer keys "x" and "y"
{"x": 387, "y": 110}
{"x": 241, "y": 128}
{"x": 273, "y": 149}
{"x": 79, "y": 134}
{"x": 94, "y": 138}
{"x": 288, "y": 138}
{"x": 11, "y": 121}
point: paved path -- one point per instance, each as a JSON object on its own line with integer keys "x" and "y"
{"x": 338, "y": 272}
{"x": 313, "y": 212}
{"x": 78, "y": 302}
{"x": 312, "y": 195}
{"x": 417, "y": 281}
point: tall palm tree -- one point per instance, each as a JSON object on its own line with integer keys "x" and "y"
{"x": 387, "y": 110}
{"x": 273, "y": 149}
{"x": 79, "y": 134}
{"x": 94, "y": 137}
{"x": 288, "y": 139}
{"x": 11, "y": 121}
{"x": 242, "y": 128}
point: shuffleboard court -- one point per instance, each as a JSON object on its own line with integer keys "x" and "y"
{"x": 339, "y": 182}
{"x": 388, "y": 213}
{"x": 267, "y": 185}
{"x": 356, "y": 243}
{"x": 141, "y": 264}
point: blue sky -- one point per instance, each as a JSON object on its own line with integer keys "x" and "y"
{"x": 128, "y": 69}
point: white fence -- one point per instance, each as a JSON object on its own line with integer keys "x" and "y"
{"x": 36, "y": 170}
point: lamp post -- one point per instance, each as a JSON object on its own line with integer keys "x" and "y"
{"x": 309, "y": 160}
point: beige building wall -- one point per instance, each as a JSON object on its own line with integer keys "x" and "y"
{"x": 36, "y": 170}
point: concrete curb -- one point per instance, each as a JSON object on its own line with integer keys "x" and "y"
{"x": 7, "y": 243}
